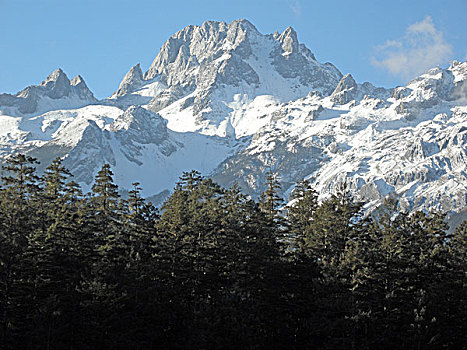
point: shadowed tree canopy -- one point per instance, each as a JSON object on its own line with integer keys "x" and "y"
{"x": 215, "y": 269}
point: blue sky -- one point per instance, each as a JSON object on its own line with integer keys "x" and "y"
{"x": 386, "y": 42}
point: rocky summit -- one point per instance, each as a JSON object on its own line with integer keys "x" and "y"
{"x": 233, "y": 103}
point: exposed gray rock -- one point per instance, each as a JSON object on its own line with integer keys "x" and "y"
{"x": 168, "y": 96}
{"x": 375, "y": 190}
{"x": 132, "y": 80}
{"x": 234, "y": 70}
{"x": 247, "y": 168}
{"x": 404, "y": 109}
{"x": 437, "y": 81}
{"x": 458, "y": 92}
{"x": 57, "y": 85}
{"x": 90, "y": 153}
{"x": 314, "y": 94}
{"x": 140, "y": 125}
{"x": 187, "y": 103}
{"x": 401, "y": 92}
{"x": 137, "y": 127}
{"x": 216, "y": 54}
{"x": 370, "y": 90}
{"x": 293, "y": 60}
{"x": 194, "y": 44}
{"x": 81, "y": 90}
{"x": 288, "y": 40}
{"x": 345, "y": 91}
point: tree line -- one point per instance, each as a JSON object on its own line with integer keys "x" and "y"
{"x": 215, "y": 269}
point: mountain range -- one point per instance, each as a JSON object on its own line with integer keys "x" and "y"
{"x": 233, "y": 103}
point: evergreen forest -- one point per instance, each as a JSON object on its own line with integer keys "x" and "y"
{"x": 215, "y": 269}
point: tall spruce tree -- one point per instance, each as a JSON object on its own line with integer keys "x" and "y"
{"x": 304, "y": 202}
{"x": 269, "y": 200}
{"x": 102, "y": 288}
{"x": 18, "y": 222}
{"x": 47, "y": 252}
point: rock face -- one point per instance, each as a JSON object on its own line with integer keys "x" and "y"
{"x": 293, "y": 60}
{"x": 80, "y": 89}
{"x": 56, "y": 85}
{"x": 92, "y": 150}
{"x": 132, "y": 80}
{"x": 138, "y": 126}
{"x": 54, "y": 92}
{"x": 201, "y": 63}
{"x": 233, "y": 103}
{"x": 345, "y": 91}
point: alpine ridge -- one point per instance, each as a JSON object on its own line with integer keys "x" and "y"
{"x": 56, "y": 91}
{"x": 231, "y": 102}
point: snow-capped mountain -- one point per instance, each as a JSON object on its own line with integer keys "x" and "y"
{"x": 55, "y": 92}
{"x": 204, "y": 76}
{"x": 233, "y": 103}
{"x": 416, "y": 153}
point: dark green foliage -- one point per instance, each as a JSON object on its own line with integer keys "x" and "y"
{"x": 301, "y": 212}
{"x": 218, "y": 270}
{"x": 270, "y": 201}
{"x": 18, "y": 200}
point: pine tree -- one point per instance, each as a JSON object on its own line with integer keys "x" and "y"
{"x": 18, "y": 223}
{"x": 330, "y": 242}
{"x": 432, "y": 272}
{"x": 105, "y": 196}
{"x": 269, "y": 200}
{"x": 101, "y": 289}
{"x": 455, "y": 288}
{"x": 189, "y": 221}
{"x": 19, "y": 176}
{"x": 304, "y": 202}
{"x": 45, "y": 244}
{"x": 145, "y": 276}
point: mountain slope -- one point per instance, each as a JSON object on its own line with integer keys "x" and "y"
{"x": 416, "y": 153}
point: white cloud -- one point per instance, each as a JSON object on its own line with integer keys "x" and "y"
{"x": 422, "y": 47}
{"x": 296, "y": 7}
{"x": 388, "y": 44}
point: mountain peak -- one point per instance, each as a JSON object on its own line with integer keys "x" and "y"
{"x": 77, "y": 81}
{"x": 131, "y": 81}
{"x": 36, "y": 98}
{"x": 288, "y": 39}
{"x": 289, "y": 31}
{"x": 229, "y": 53}
{"x": 58, "y": 75}
{"x": 81, "y": 89}
{"x": 348, "y": 81}
{"x": 194, "y": 44}
{"x": 244, "y": 24}
{"x": 345, "y": 91}
{"x": 57, "y": 83}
